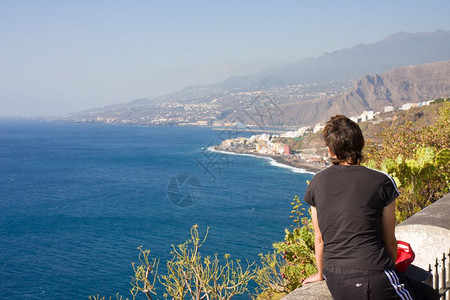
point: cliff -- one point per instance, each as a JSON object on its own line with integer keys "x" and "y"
{"x": 374, "y": 92}
{"x": 413, "y": 84}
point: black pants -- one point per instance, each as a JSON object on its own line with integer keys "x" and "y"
{"x": 358, "y": 284}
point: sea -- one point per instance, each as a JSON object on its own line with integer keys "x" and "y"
{"x": 77, "y": 200}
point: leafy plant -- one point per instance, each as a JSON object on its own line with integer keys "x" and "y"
{"x": 98, "y": 297}
{"x": 298, "y": 246}
{"x": 145, "y": 275}
{"x": 422, "y": 179}
{"x": 293, "y": 259}
{"x": 204, "y": 278}
{"x": 272, "y": 283}
{"x": 418, "y": 160}
{"x": 189, "y": 275}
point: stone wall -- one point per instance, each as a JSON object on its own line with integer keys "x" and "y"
{"x": 428, "y": 232}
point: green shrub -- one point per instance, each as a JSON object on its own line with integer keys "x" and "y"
{"x": 190, "y": 276}
{"x": 418, "y": 160}
{"x": 293, "y": 260}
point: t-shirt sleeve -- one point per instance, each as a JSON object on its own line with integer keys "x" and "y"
{"x": 309, "y": 195}
{"x": 390, "y": 191}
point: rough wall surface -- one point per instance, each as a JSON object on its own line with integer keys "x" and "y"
{"x": 428, "y": 232}
{"x": 312, "y": 291}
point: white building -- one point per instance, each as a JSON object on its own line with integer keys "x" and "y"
{"x": 277, "y": 148}
{"x": 388, "y": 108}
{"x": 294, "y": 134}
{"x": 406, "y": 106}
{"x": 366, "y": 115}
{"x": 425, "y": 103}
{"x": 259, "y": 137}
{"x": 318, "y": 127}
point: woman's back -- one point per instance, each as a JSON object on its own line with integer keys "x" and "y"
{"x": 350, "y": 202}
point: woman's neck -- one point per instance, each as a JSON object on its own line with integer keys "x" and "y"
{"x": 347, "y": 164}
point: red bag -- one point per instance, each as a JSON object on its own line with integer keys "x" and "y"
{"x": 405, "y": 256}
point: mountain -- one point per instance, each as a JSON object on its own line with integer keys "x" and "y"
{"x": 398, "y": 50}
{"x": 373, "y": 92}
{"x": 306, "y": 91}
{"x": 394, "y": 88}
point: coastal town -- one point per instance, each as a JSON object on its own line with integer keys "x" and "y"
{"x": 286, "y": 148}
{"x": 204, "y": 106}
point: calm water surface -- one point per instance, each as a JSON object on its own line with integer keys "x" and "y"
{"x": 76, "y": 200}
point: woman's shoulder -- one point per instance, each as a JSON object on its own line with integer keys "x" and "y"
{"x": 378, "y": 173}
{"x": 342, "y": 171}
{"x": 323, "y": 173}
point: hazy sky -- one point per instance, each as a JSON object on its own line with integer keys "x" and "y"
{"x": 63, "y": 56}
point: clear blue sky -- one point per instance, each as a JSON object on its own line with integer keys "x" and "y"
{"x": 67, "y": 55}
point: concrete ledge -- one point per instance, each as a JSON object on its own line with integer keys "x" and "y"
{"x": 428, "y": 232}
{"x": 436, "y": 214}
{"x": 312, "y": 291}
{"x": 319, "y": 290}
{"x": 427, "y": 242}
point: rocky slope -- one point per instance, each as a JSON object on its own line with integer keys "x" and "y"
{"x": 374, "y": 92}
{"x": 418, "y": 116}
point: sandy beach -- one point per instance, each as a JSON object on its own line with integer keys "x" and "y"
{"x": 279, "y": 159}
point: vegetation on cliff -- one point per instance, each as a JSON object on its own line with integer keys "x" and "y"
{"x": 418, "y": 160}
{"x": 189, "y": 274}
{"x": 280, "y": 275}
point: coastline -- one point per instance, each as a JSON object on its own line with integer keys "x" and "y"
{"x": 275, "y": 160}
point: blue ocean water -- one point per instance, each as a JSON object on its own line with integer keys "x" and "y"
{"x": 76, "y": 200}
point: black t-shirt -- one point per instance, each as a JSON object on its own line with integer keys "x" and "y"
{"x": 349, "y": 202}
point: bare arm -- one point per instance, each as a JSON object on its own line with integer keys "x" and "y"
{"x": 318, "y": 245}
{"x": 388, "y": 230}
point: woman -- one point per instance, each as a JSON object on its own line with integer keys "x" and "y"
{"x": 353, "y": 213}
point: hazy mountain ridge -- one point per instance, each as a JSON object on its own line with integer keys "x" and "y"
{"x": 307, "y": 91}
{"x": 398, "y": 50}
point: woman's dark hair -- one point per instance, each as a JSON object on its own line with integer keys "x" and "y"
{"x": 345, "y": 140}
